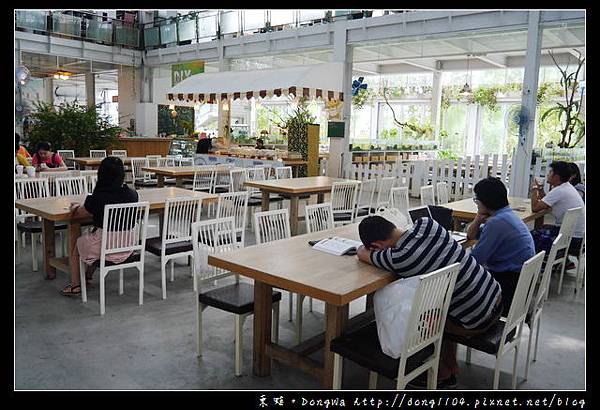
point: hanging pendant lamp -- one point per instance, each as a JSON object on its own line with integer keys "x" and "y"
{"x": 466, "y": 90}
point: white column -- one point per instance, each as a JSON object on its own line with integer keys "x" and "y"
{"x": 522, "y": 160}
{"x": 90, "y": 89}
{"x": 49, "y": 90}
{"x": 224, "y": 107}
{"x": 338, "y": 146}
{"x": 129, "y": 95}
{"x": 436, "y": 102}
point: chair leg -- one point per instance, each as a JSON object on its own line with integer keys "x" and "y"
{"x": 82, "y": 281}
{"x": 531, "y": 330}
{"x": 338, "y": 362}
{"x": 102, "y": 299}
{"x": 275, "y": 323}
{"x": 120, "y": 281}
{"x": 561, "y": 276}
{"x": 163, "y": 277}
{"x": 299, "y": 306}
{"x": 141, "y": 295}
{"x": 432, "y": 377}
{"x": 199, "y": 310}
{"x": 239, "y": 325}
{"x": 537, "y": 338}
{"x": 23, "y": 240}
{"x": 514, "y": 375}
{"x": 372, "y": 380}
{"x": 291, "y": 305}
{"x": 496, "y": 374}
{"x": 468, "y": 356}
{"x": 34, "y": 252}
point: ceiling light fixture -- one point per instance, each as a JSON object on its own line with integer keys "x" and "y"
{"x": 466, "y": 90}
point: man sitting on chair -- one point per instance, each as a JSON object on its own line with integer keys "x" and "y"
{"x": 476, "y": 301}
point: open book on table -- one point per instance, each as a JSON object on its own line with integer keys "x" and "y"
{"x": 337, "y": 246}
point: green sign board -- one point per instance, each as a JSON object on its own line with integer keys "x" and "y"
{"x": 180, "y": 72}
{"x": 335, "y": 129}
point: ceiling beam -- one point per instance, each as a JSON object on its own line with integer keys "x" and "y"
{"x": 421, "y": 65}
{"x": 496, "y": 61}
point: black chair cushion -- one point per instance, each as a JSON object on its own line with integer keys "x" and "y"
{"x": 236, "y": 298}
{"x": 153, "y": 245}
{"x": 362, "y": 347}
{"x": 271, "y": 198}
{"x": 221, "y": 190}
{"x": 134, "y": 257}
{"x": 488, "y": 342}
{"x": 287, "y": 196}
{"x": 36, "y": 226}
{"x": 151, "y": 182}
{"x": 364, "y": 211}
{"x": 342, "y": 217}
{"x": 254, "y": 201}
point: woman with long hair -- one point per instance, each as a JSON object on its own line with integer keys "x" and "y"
{"x": 576, "y": 180}
{"x": 110, "y": 189}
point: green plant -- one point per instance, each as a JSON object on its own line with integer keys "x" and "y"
{"x": 364, "y": 96}
{"x": 447, "y": 154}
{"x": 486, "y": 97}
{"x": 187, "y": 126}
{"x": 571, "y": 110}
{"x": 71, "y": 126}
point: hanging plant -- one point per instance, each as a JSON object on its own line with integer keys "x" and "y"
{"x": 363, "y": 96}
{"x": 486, "y": 97}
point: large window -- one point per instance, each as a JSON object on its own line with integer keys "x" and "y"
{"x": 454, "y": 124}
{"x": 406, "y": 111}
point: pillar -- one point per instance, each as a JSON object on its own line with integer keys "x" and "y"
{"x": 521, "y": 167}
{"x": 90, "y": 89}
{"x": 129, "y": 95}
{"x": 224, "y": 106}
{"x": 436, "y": 103}
{"x": 49, "y": 90}
{"x": 339, "y": 148}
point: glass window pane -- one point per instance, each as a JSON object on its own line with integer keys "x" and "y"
{"x": 151, "y": 37}
{"x": 168, "y": 33}
{"x": 207, "y": 26}
{"x": 360, "y": 132}
{"x": 65, "y": 24}
{"x": 493, "y": 130}
{"x": 279, "y": 17}
{"x": 99, "y": 30}
{"x": 253, "y": 19}
{"x": 126, "y": 35}
{"x": 35, "y": 20}
{"x": 229, "y": 22}
{"x": 187, "y": 30}
{"x": 306, "y": 15}
{"x": 454, "y": 122}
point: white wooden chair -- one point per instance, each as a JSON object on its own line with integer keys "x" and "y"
{"x": 140, "y": 177}
{"x": 581, "y": 266}
{"x": 366, "y": 193}
{"x": 510, "y": 327}
{"x": 319, "y": 217}
{"x": 272, "y": 226}
{"x": 67, "y": 153}
{"x": 29, "y": 188}
{"x": 427, "y": 195}
{"x": 423, "y": 338}
{"x": 121, "y": 153}
{"x": 93, "y": 179}
{"x": 176, "y": 240}
{"x": 153, "y": 160}
{"x": 442, "y": 193}
{"x": 283, "y": 172}
{"x": 123, "y": 230}
{"x": 212, "y": 237}
{"x": 204, "y": 180}
{"x": 185, "y": 161}
{"x": 237, "y": 178}
{"x": 534, "y": 317}
{"x": 71, "y": 186}
{"x": 88, "y": 174}
{"x": 51, "y": 177}
{"x": 399, "y": 200}
{"x": 343, "y": 201}
{"x": 384, "y": 187}
{"x": 222, "y": 179}
{"x": 567, "y": 228}
{"x": 97, "y": 153}
{"x": 234, "y": 205}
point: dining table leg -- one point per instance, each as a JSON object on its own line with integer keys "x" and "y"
{"x": 74, "y": 233}
{"x": 263, "y": 305}
{"x": 265, "y": 200}
{"x": 49, "y": 247}
{"x": 335, "y": 319}
{"x": 179, "y": 182}
{"x": 320, "y": 198}
{"x": 294, "y": 215}
{"x": 161, "y": 181}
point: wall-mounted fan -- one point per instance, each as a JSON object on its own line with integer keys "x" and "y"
{"x": 517, "y": 120}
{"x": 358, "y": 85}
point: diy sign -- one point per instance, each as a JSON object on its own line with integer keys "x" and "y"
{"x": 180, "y": 72}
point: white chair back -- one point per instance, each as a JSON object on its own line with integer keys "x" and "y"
{"x": 136, "y": 169}
{"x": 186, "y": 161}
{"x": 153, "y": 160}
{"x": 234, "y": 205}
{"x": 319, "y": 217}
{"x": 204, "y": 180}
{"x": 343, "y": 198}
{"x": 560, "y": 244}
{"x": 30, "y": 188}
{"x": 222, "y": 178}
{"x": 255, "y": 174}
{"x": 92, "y": 180}
{"x": 271, "y": 226}
{"x": 442, "y": 192}
{"x": 237, "y": 177}
{"x": 98, "y": 153}
{"x": 124, "y": 229}
{"x": 428, "y": 313}
{"x": 168, "y": 162}
{"x": 283, "y": 172}
{"x": 569, "y": 221}
{"x": 67, "y": 153}
{"x": 180, "y": 214}
{"x": 91, "y": 177}
{"x": 522, "y": 297}
{"x": 51, "y": 177}
{"x": 121, "y": 153}
{"x": 366, "y": 193}
{"x": 208, "y": 238}
{"x": 427, "y": 195}
{"x": 384, "y": 186}
{"x": 399, "y": 199}
{"x": 71, "y": 186}
{"x": 395, "y": 216}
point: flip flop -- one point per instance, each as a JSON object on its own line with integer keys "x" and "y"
{"x": 72, "y": 290}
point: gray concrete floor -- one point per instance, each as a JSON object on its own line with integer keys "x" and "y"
{"x": 62, "y": 343}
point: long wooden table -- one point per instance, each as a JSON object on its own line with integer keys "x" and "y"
{"x": 291, "y": 264}
{"x": 294, "y": 187}
{"x": 93, "y": 163}
{"x": 56, "y": 209}
{"x": 180, "y": 173}
{"x": 465, "y": 211}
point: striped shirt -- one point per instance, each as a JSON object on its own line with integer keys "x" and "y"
{"x": 428, "y": 247}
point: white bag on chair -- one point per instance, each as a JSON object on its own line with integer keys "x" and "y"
{"x": 392, "y": 306}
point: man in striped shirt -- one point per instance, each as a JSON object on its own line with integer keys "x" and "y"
{"x": 476, "y": 301}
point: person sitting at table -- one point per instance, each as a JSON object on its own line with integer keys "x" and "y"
{"x": 19, "y": 157}
{"x": 46, "y": 160}
{"x": 260, "y": 144}
{"x": 110, "y": 189}
{"x": 204, "y": 145}
{"x": 503, "y": 240}
{"x": 476, "y": 302}
{"x": 22, "y": 150}
{"x": 562, "y": 197}
{"x": 576, "y": 180}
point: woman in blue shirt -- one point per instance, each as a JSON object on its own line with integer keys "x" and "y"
{"x": 504, "y": 242}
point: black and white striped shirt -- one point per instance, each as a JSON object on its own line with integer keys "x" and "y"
{"x": 428, "y": 247}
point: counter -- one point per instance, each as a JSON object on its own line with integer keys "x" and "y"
{"x": 142, "y": 146}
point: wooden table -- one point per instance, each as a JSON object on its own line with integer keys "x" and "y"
{"x": 54, "y": 209}
{"x": 465, "y": 211}
{"x": 93, "y": 163}
{"x": 294, "y": 187}
{"x": 291, "y": 264}
{"x": 180, "y": 173}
